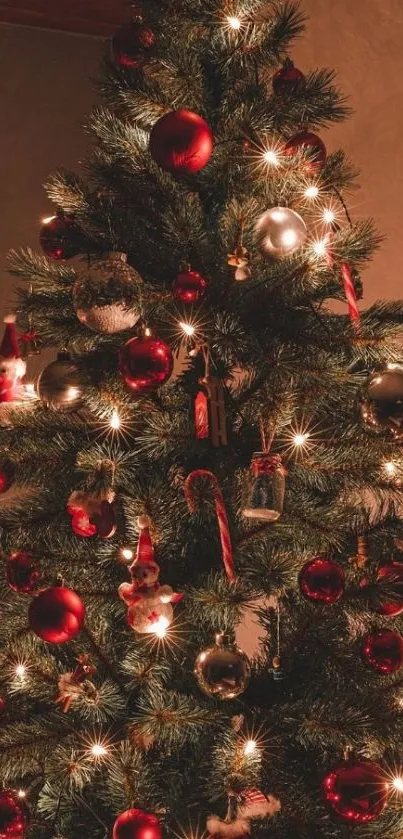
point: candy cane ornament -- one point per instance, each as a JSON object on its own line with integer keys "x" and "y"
{"x": 222, "y": 518}
{"x": 348, "y": 283}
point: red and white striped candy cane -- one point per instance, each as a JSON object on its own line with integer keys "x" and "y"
{"x": 348, "y": 284}
{"x": 221, "y": 513}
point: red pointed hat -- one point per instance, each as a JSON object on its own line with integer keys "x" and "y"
{"x": 145, "y": 549}
{"x": 9, "y": 346}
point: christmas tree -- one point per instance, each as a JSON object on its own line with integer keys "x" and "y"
{"x": 148, "y": 506}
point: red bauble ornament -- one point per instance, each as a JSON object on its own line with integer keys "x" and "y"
{"x": 131, "y": 43}
{"x": 2, "y": 704}
{"x": 22, "y": 573}
{"x": 59, "y": 237}
{"x": 356, "y": 791}
{"x": 322, "y": 581}
{"x": 136, "y": 824}
{"x": 383, "y": 651}
{"x": 181, "y": 142}
{"x": 145, "y": 363}
{"x": 189, "y": 286}
{"x": 287, "y": 79}
{"x": 12, "y": 818}
{"x": 393, "y": 574}
{"x": 56, "y": 615}
{"x": 306, "y": 141}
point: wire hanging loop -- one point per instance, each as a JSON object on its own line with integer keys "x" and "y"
{"x": 221, "y": 513}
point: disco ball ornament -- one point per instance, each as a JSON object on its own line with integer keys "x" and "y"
{"x": 280, "y": 232}
{"x": 222, "y": 671}
{"x": 322, "y": 581}
{"x": 181, "y": 142}
{"x": 60, "y": 385}
{"x": 383, "y": 651}
{"x": 106, "y": 294}
{"x": 131, "y": 44}
{"x": 381, "y": 401}
{"x": 311, "y": 147}
{"x": 357, "y": 791}
{"x": 137, "y": 824}
{"x": 12, "y": 817}
{"x": 288, "y": 79}
{"x": 60, "y": 236}
{"x": 189, "y": 286}
{"x": 22, "y": 573}
{"x": 392, "y": 574}
{"x": 145, "y": 363}
{"x": 56, "y": 615}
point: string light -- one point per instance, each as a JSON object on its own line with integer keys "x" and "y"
{"x": 98, "y": 750}
{"x": 48, "y": 219}
{"x": 234, "y": 22}
{"x": 250, "y": 747}
{"x": 311, "y": 191}
{"x": 320, "y": 248}
{"x": 187, "y": 328}
{"x": 328, "y": 215}
{"x": 397, "y": 783}
{"x": 115, "y": 421}
{"x": 159, "y": 627}
{"x": 390, "y": 468}
{"x": 20, "y": 671}
{"x": 127, "y": 554}
{"x": 300, "y": 440}
{"x": 21, "y": 793}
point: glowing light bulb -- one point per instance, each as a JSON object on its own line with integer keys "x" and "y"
{"x": 127, "y": 554}
{"x": 159, "y": 628}
{"x": 250, "y": 747}
{"x": 48, "y": 219}
{"x": 271, "y": 157}
{"x": 187, "y": 328}
{"x": 21, "y": 793}
{"x": 300, "y": 439}
{"x": 390, "y": 468}
{"x": 311, "y": 191}
{"x": 98, "y": 750}
{"x": 30, "y": 389}
{"x": 328, "y": 216}
{"x": 147, "y": 332}
{"x": 320, "y": 248}
{"x": 20, "y": 671}
{"x": 397, "y": 783}
{"x": 234, "y": 22}
{"x": 115, "y": 421}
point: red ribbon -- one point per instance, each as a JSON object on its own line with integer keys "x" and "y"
{"x": 267, "y": 464}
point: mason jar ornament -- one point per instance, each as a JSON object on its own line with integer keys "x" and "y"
{"x": 265, "y": 487}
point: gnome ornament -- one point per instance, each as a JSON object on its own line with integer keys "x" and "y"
{"x": 12, "y": 367}
{"x": 149, "y": 603}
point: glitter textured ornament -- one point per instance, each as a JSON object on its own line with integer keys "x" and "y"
{"x": 181, "y": 142}
{"x": 356, "y": 791}
{"x": 106, "y": 294}
{"x": 288, "y": 79}
{"x": 189, "y": 286}
{"x": 280, "y": 232}
{"x": 145, "y": 363}
{"x": 383, "y": 651}
{"x": 381, "y": 401}
{"x": 222, "y": 671}
{"x": 56, "y": 615}
{"x": 22, "y": 573}
{"x": 131, "y": 44}
{"x": 311, "y": 147}
{"x": 322, "y": 581}
{"x": 392, "y": 574}
{"x": 60, "y": 385}
{"x": 60, "y": 237}
{"x": 137, "y": 824}
{"x": 12, "y": 818}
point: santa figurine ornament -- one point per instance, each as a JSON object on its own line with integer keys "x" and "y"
{"x": 12, "y": 367}
{"x": 149, "y": 604}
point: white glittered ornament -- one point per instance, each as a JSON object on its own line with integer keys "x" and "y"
{"x": 106, "y": 294}
{"x": 280, "y": 232}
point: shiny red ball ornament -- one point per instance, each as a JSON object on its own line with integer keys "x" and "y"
{"x": 356, "y": 791}
{"x": 145, "y": 363}
{"x": 22, "y": 573}
{"x": 181, "y": 142}
{"x": 56, "y": 615}
{"x": 131, "y": 43}
{"x": 322, "y": 581}
{"x": 59, "y": 237}
{"x": 189, "y": 287}
{"x": 137, "y": 824}
{"x": 12, "y": 818}
{"x": 383, "y": 651}
{"x": 306, "y": 141}
{"x": 392, "y": 574}
{"x": 288, "y": 79}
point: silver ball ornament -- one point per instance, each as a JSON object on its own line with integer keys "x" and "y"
{"x": 381, "y": 401}
{"x": 280, "y": 232}
{"x": 60, "y": 385}
{"x": 105, "y": 295}
{"x": 223, "y": 670}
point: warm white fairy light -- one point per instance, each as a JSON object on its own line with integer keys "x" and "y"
{"x": 48, "y": 219}
{"x": 311, "y": 191}
{"x": 250, "y": 747}
{"x": 271, "y": 157}
{"x": 390, "y": 468}
{"x": 300, "y": 440}
{"x": 115, "y": 421}
{"x": 234, "y": 22}
{"x": 187, "y": 328}
{"x": 29, "y": 390}
{"x": 159, "y": 627}
{"x": 20, "y": 671}
{"x": 328, "y": 215}
{"x": 320, "y": 248}
{"x": 397, "y": 783}
{"x": 127, "y": 554}
{"x": 97, "y": 749}
{"x": 21, "y": 793}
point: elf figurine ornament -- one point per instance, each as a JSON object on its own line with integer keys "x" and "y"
{"x": 12, "y": 367}
{"x": 149, "y": 603}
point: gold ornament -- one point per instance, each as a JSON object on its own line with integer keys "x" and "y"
{"x": 280, "y": 232}
{"x": 223, "y": 670}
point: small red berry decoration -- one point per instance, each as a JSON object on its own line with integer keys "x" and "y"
{"x": 288, "y": 79}
{"x": 131, "y": 44}
{"x": 22, "y": 573}
{"x": 383, "y": 651}
{"x": 189, "y": 286}
{"x": 313, "y": 148}
{"x": 137, "y": 824}
{"x": 56, "y": 615}
{"x": 145, "y": 363}
{"x": 356, "y": 791}
{"x": 322, "y": 581}
{"x": 181, "y": 142}
{"x": 59, "y": 237}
